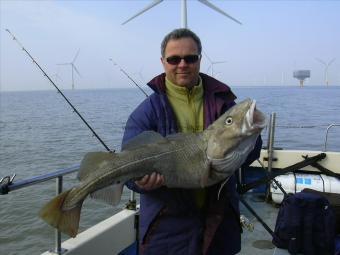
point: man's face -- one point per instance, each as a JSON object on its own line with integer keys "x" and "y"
{"x": 182, "y": 74}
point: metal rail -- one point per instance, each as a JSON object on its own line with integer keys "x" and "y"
{"x": 327, "y": 130}
{"x": 7, "y": 185}
{"x": 270, "y": 152}
{"x": 270, "y": 146}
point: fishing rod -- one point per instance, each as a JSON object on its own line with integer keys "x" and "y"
{"x": 59, "y": 91}
{"x": 127, "y": 75}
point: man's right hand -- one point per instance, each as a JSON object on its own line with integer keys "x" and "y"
{"x": 151, "y": 182}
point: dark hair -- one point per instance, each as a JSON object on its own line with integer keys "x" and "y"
{"x": 178, "y": 34}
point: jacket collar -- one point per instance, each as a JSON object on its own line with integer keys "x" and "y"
{"x": 211, "y": 85}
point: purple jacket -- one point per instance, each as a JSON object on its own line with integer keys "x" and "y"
{"x": 170, "y": 222}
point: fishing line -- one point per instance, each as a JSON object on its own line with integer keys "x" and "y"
{"x": 59, "y": 91}
{"x": 127, "y": 75}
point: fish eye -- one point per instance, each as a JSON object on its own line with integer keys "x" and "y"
{"x": 229, "y": 121}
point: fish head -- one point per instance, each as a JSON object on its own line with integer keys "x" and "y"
{"x": 233, "y": 135}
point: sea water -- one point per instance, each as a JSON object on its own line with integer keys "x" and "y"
{"x": 40, "y": 133}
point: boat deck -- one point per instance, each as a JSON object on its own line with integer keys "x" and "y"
{"x": 259, "y": 241}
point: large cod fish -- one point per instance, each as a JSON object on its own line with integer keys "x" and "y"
{"x": 185, "y": 160}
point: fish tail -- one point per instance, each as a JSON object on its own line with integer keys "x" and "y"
{"x": 66, "y": 221}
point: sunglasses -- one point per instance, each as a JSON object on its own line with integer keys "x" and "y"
{"x": 189, "y": 59}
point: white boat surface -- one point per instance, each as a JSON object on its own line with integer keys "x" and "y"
{"x": 110, "y": 236}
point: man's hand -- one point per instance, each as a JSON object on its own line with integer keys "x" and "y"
{"x": 151, "y": 182}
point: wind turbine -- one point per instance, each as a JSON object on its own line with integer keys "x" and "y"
{"x": 326, "y": 68}
{"x": 212, "y": 63}
{"x": 282, "y": 78}
{"x": 73, "y": 67}
{"x": 184, "y": 23}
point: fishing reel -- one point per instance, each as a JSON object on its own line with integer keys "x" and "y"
{"x": 5, "y": 182}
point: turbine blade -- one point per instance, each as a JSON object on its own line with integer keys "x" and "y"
{"x": 330, "y": 62}
{"x": 114, "y": 63}
{"x": 321, "y": 61}
{"x": 205, "y": 54}
{"x": 215, "y": 8}
{"x": 209, "y": 69}
{"x": 75, "y": 68}
{"x": 75, "y": 57}
{"x": 219, "y": 62}
{"x": 154, "y": 3}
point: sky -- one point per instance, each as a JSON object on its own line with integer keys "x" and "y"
{"x": 275, "y": 38}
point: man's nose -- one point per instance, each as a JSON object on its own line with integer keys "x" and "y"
{"x": 182, "y": 63}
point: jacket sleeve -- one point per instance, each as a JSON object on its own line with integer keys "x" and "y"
{"x": 140, "y": 120}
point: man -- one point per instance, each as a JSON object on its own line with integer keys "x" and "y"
{"x": 185, "y": 221}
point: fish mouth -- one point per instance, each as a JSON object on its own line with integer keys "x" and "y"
{"x": 254, "y": 120}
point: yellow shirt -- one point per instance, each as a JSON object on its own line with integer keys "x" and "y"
{"x": 188, "y": 108}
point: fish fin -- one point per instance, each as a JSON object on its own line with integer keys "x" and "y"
{"x": 180, "y": 136}
{"x": 92, "y": 161}
{"x": 110, "y": 195}
{"x": 205, "y": 177}
{"x": 65, "y": 221}
{"x": 146, "y": 137}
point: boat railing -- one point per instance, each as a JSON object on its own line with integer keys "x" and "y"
{"x": 327, "y": 131}
{"x": 7, "y": 185}
{"x": 327, "y": 126}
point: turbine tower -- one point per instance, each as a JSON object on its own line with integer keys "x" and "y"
{"x": 326, "y": 68}
{"x": 184, "y": 23}
{"x": 73, "y": 67}
{"x": 212, "y": 63}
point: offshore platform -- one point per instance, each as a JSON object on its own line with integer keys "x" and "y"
{"x": 301, "y": 75}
